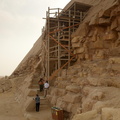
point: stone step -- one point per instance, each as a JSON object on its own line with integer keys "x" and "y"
{"x": 34, "y": 86}
{"x": 44, "y": 104}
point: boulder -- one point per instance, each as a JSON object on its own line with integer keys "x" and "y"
{"x": 73, "y": 88}
{"x": 94, "y": 20}
{"x": 114, "y": 24}
{"x": 110, "y": 113}
{"x": 75, "y": 39}
{"x": 114, "y": 60}
{"x": 80, "y": 50}
{"x": 111, "y": 36}
{"x": 104, "y": 21}
{"x": 74, "y": 99}
{"x": 91, "y": 115}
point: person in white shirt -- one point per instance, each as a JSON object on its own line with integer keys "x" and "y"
{"x": 46, "y": 86}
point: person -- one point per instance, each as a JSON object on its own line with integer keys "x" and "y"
{"x": 37, "y": 100}
{"x": 46, "y": 86}
{"x": 41, "y": 84}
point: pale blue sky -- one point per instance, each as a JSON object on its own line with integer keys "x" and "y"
{"x": 20, "y": 26}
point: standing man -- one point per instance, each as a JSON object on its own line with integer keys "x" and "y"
{"x": 37, "y": 100}
{"x": 46, "y": 86}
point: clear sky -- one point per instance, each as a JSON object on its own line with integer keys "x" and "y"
{"x": 21, "y": 22}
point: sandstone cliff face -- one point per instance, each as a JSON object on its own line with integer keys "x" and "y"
{"x": 90, "y": 88}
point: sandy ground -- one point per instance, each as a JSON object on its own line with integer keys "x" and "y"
{"x": 11, "y": 110}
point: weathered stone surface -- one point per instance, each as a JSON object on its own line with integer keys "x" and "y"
{"x": 74, "y": 99}
{"x": 75, "y": 45}
{"x": 104, "y": 21}
{"x": 73, "y": 88}
{"x": 110, "y": 113}
{"x": 111, "y": 36}
{"x": 54, "y": 100}
{"x": 92, "y": 115}
{"x": 80, "y": 50}
{"x": 114, "y": 24}
{"x": 1, "y": 90}
{"x": 114, "y": 60}
{"x": 94, "y": 20}
{"x": 75, "y": 39}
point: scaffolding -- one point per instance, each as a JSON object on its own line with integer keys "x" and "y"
{"x": 60, "y": 24}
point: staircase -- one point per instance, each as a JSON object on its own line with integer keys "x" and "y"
{"x": 33, "y": 90}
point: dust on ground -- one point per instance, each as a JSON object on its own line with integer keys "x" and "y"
{"x": 11, "y": 110}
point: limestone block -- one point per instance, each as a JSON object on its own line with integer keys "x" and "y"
{"x": 75, "y": 39}
{"x": 82, "y": 30}
{"x": 61, "y": 92}
{"x": 97, "y": 95}
{"x": 94, "y": 20}
{"x": 111, "y": 36}
{"x": 60, "y": 78}
{"x": 99, "y": 105}
{"x": 103, "y": 13}
{"x": 75, "y": 45}
{"x": 118, "y": 28}
{"x": 64, "y": 72}
{"x": 63, "y": 84}
{"x": 93, "y": 81}
{"x": 73, "y": 88}
{"x": 91, "y": 115}
{"x": 69, "y": 107}
{"x": 98, "y": 45}
{"x": 116, "y": 67}
{"x": 114, "y": 24}
{"x": 81, "y": 56}
{"x": 72, "y": 72}
{"x": 115, "y": 12}
{"x": 104, "y": 21}
{"x": 118, "y": 21}
{"x": 110, "y": 113}
{"x": 75, "y": 80}
{"x": 87, "y": 104}
{"x": 80, "y": 50}
{"x": 75, "y": 107}
{"x": 114, "y": 60}
{"x": 74, "y": 99}
{"x": 99, "y": 54}
{"x": 6, "y": 87}
{"x": 86, "y": 56}
{"x": 54, "y": 92}
{"x": 54, "y": 100}
{"x": 1, "y": 90}
{"x": 107, "y": 44}
{"x": 61, "y": 104}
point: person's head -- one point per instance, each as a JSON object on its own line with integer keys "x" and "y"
{"x": 36, "y": 94}
{"x": 41, "y": 79}
{"x": 46, "y": 81}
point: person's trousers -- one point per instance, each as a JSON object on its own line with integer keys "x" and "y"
{"x": 37, "y": 106}
{"x": 41, "y": 87}
{"x": 45, "y": 92}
